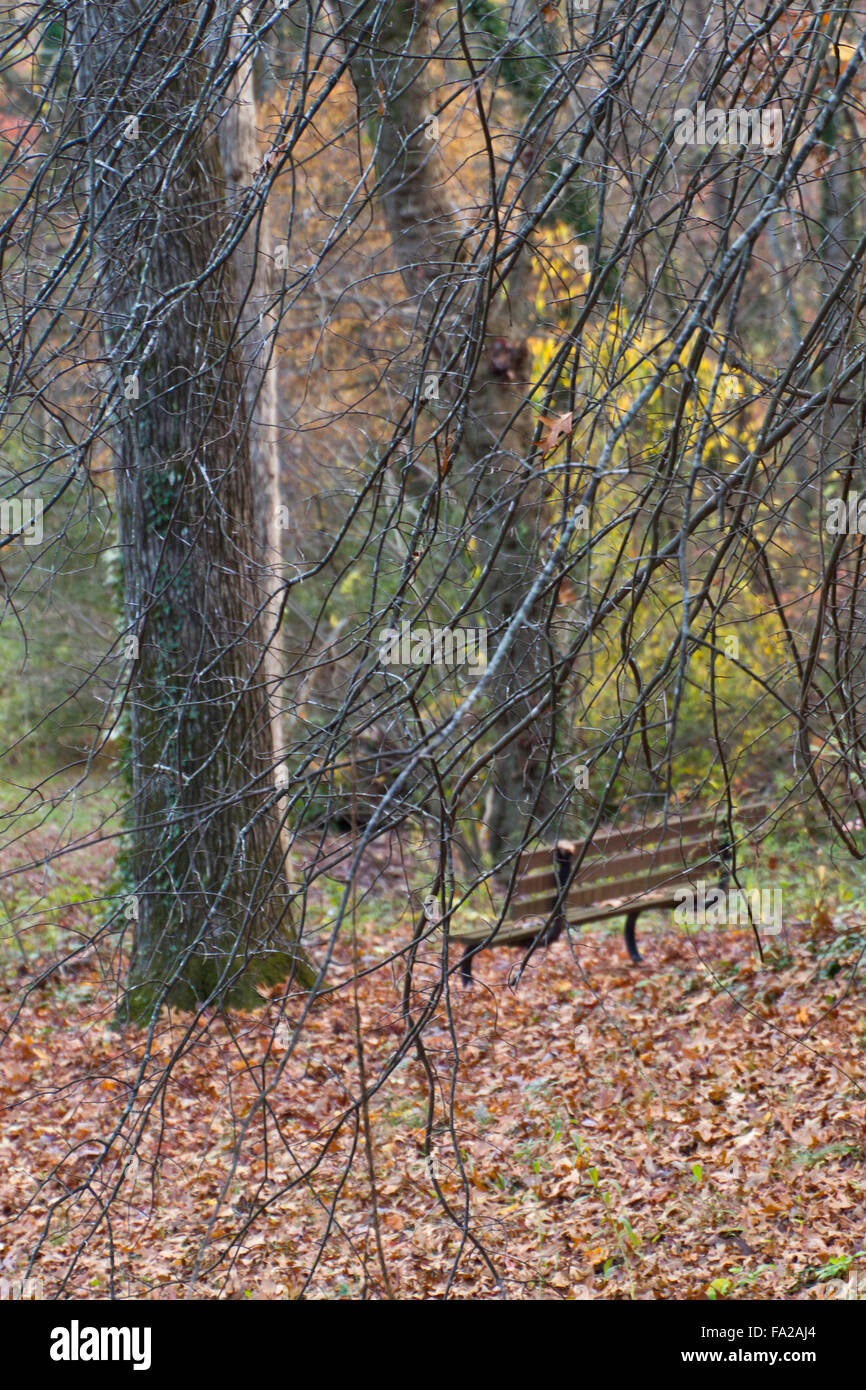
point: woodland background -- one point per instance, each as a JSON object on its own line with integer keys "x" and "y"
{"x": 318, "y": 318}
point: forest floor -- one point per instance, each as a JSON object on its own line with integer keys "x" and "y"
{"x": 689, "y": 1129}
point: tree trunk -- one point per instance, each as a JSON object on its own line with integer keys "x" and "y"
{"x": 253, "y": 264}
{"x": 388, "y": 62}
{"x": 211, "y": 911}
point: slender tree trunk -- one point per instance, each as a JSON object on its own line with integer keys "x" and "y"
{"x": 388, "y": 63}
{"x": 210, "y": 897}
{"x": 253, "y": 265}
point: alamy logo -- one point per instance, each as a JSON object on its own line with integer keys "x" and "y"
{"x": 426, "y": 1168}
{"x": 846, "y": 515}
{"x": 850, "y": 1289}
{"x": 717, "y": 907}
{"x": 439, "y": 646}
{"x": 737, "y": 127}
{"x": 21, "y": 1288}
{"x": 76, "y": 1343}
{"x": 22, "y": 516}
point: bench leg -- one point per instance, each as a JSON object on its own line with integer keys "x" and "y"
{"x": 554, "y": 932}
{"x": 466, "y": 965}
{"x": 631, "y": 944}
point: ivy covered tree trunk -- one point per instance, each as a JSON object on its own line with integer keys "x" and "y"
{"x": 211, "y": 916}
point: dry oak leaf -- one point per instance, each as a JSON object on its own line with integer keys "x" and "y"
{"x": 558, "y": 429}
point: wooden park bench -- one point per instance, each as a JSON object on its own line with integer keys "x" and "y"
{"x": 622, "y": 874}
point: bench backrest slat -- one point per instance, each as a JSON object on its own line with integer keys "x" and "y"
{"x": 629, "y": 863}
{"x": 637, "y": 886}
{"x": 596, "y": 869}
{"x": 629, "y": 838}
{"x": 625, "y": 888}
{"x": 636, "y": 836}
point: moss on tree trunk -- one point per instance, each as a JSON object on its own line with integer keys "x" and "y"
{"x": 211, "y": 917}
